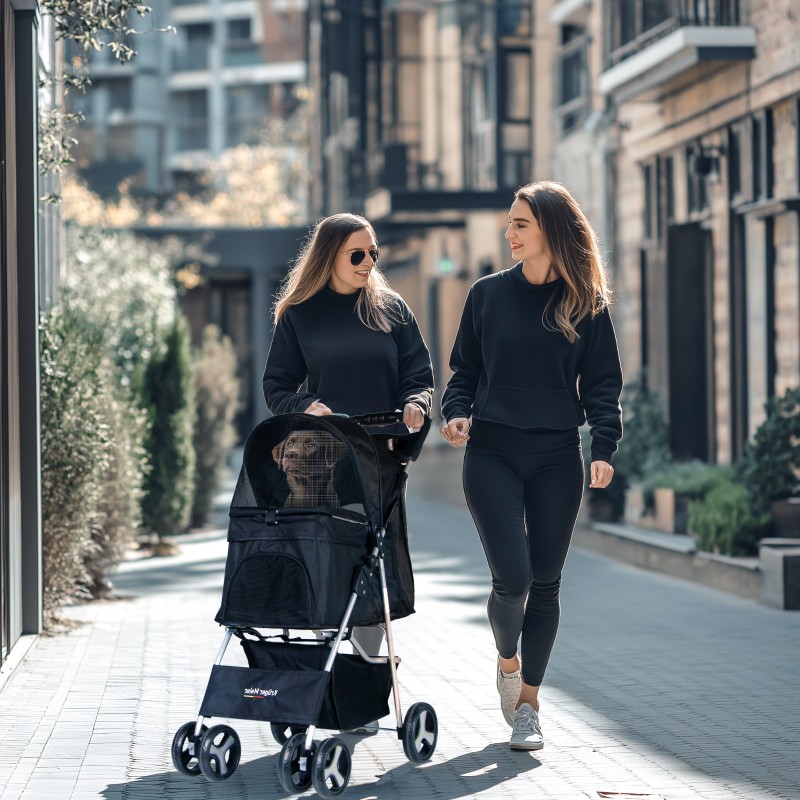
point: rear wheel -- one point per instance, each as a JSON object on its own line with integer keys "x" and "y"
{"x": 282, "y": 733}
{"x": 294, "y": 764}
{"x": 330, "y": 772}
{"x": 185, "y": 749}
{"x": 420, "y": 731}
{"x": 220, "y": 751}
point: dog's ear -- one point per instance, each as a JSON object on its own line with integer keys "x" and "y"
{"x": 277, "y": 453}
{"x": 334, "y": 450}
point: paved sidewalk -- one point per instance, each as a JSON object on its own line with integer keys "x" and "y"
{"x": 655, "y": 686}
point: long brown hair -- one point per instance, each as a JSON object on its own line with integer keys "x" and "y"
{"x": 574, "y": 254}
{"x": 312, "y": 270}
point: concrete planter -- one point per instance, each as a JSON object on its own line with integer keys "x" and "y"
{"x": 670, "y": 512}
{"x": 780, "y": 566}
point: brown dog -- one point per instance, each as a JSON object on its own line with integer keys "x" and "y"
{"x": 308, "y": 458}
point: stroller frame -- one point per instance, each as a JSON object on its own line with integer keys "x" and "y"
{"x": 303, "y": 761}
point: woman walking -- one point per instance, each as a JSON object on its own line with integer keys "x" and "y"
{"x": 344, "y": 333}
{"x": 534, "y": 358}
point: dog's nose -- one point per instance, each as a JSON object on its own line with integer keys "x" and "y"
{"x": 290, "y": 454}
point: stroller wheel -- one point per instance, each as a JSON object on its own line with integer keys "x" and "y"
{"x": 186, "y": 749}
{"x": 294, "y": 765}
{"x": 330, "y": 772}
{"x": 220, "y": 751}
{"x": 281, "y": 733}
{"x": 419, "y": 732}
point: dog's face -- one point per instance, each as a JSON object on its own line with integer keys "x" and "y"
{"x": 308, "y": 458}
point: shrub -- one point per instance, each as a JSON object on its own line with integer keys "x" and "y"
{"x": 167, "y": 390}
{"x": 723, "y": 521}
{"x": 217, "y": 392}
{"x": 122, "y": 285}
{"x": 77, "y": 450}
{"x": 693, "y": 478}
{"x": 771, "y": 468}
{"x": 120, "y": 505}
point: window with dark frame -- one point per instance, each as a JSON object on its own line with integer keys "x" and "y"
{"x": 734, "y": 162}
{"x": 697, "y": 193}
{"x": 762, "y": 142}
{"x": 572, "y": 90}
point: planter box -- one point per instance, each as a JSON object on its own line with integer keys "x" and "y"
{"x": 780, "y": 566}
{"x": 671, "y": 511}
{"x": 786, "y": 517}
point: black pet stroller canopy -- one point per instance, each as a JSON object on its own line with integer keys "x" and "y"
{"x": 311, "y": 495}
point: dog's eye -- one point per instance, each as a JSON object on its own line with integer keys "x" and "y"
{"x": 311, "y": 445}
{"x": 289, "y": 443}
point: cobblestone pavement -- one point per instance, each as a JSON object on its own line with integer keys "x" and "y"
{"x": 656, "y": 687}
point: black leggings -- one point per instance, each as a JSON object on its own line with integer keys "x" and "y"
{"x": 524, "y": 494}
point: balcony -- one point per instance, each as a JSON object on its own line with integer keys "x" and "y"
{"x": 191, "y": 59}
{"x": 242, "y": 54}
{"x": 652, "y": 43}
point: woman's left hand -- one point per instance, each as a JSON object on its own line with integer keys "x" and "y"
{"x": 413, "y": 416}
{"x": 601, "y": 474}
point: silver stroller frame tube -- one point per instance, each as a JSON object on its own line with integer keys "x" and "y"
{"x": 220, "y": 653}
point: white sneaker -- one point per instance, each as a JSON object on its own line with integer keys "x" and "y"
{"x": 509, "y": 685}
{"x": 527, "y": 735}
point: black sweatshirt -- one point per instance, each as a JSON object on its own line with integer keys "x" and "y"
{"x": 509, "y": 368}
{"x": 349, "y": 367}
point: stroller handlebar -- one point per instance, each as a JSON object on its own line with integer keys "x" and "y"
{"x": 379, "y": 418}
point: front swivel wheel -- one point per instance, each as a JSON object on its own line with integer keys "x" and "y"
{"x": 186, "y": 749}
{"x": 294, "y": 764}
{"x": 419, "y": 733}
{"x": 330, "y": 772}
{"x": 220, "y": 751}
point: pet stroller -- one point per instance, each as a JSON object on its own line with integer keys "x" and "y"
{"x": 317, "y": 543}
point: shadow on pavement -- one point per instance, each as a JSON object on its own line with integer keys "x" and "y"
{"x": 464, "y": 776}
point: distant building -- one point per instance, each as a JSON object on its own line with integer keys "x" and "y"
{"x": 187, "y": 97}
{"x": 425, "y": 122}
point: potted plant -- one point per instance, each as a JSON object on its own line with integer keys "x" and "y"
{"x": 772, "y": 465}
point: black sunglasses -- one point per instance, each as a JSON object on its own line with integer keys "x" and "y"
{"x": 357, "y": 256}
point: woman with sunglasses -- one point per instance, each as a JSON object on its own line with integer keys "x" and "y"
{"x": 344, "y": 333}
{"x": 535, "y": 357}
{"x": 345, "y": 342}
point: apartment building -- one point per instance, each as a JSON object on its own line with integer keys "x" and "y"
{"x": 425, "y": 122}
{"x": 702, "y": 101}
{"x": 188, "y": 96}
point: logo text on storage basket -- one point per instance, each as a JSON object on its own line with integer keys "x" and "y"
{"x": 259, "y": 694}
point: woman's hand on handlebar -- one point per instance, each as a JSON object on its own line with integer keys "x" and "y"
{"x": 413, "y": 416}
{"x": 318, "y": 409}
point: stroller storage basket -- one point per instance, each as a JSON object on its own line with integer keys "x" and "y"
{"x": 287, "y": 684}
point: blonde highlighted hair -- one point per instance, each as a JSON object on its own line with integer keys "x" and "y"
{"x": 376, "y": 307}
{"x": 574, "y": 253}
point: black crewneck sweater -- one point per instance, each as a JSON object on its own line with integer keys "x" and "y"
{"x": 509, "y": 368}
{"x": 348, "y": 366}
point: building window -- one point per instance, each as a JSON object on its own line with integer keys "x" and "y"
{"x": 193, "y": 48}
{"x": 572, "y": 91}
{"x": 239, "y": 30}
{"x": 762, "y": 155}
{"x": 696, "y": 191}
{"x": 650, "y": 210}
{"x": 734, "y": 163}
{"x": 190, "y": 114}
{"x": 517, "y": 85}
{"x": 668, "y": 170}
{"x": 513, "y": 18}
